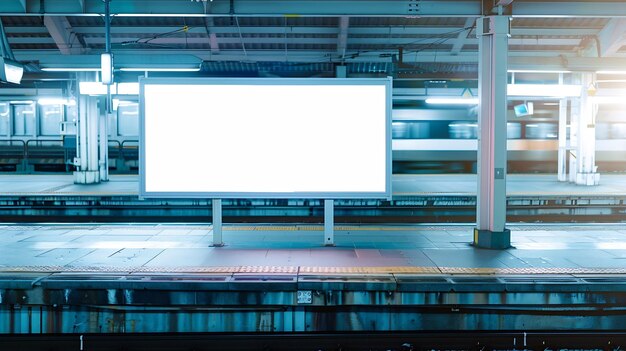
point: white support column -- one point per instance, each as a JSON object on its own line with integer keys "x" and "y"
{"x": 490, "y": 231}
{"x": 103, "y": 162}
{"x": 87, "y": 160}
{"x": 562, "y": 153}
{"x": 573, "y": 136}
{"x": 586, "y": 169}
{"x": 216, "y": 211}
{"x": 329, "y": 223}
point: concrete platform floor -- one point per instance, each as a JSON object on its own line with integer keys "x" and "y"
{"x": 543, "y": 249}
{"x": 403, "y": 185}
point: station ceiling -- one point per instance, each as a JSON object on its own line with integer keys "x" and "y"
{"x": 411, "y": 38}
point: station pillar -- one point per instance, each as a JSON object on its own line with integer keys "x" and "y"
{"x": 586, "y": 171}
{"x": 103, "y": 156}
{"x": 490, "y": 232}
{"x": 87, "y": 159}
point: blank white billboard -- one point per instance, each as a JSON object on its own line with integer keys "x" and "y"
{"x": 265, "y": 138}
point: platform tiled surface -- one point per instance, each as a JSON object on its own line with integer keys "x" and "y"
{"x": 444, "y": 184}
{"x": 163, "y": 247}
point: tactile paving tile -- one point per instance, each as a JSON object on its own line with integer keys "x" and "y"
{"x": 530, "y": 271}
{"x": 196, "y": 269}
{"x": 267, "y": 269}
{"x": 342, "y": 228}
{"x": 570, "y": 228}
{"x": 369, "y": 270}
{"x": 312, "y": 270}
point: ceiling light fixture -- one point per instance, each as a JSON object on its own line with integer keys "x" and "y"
{"x": 452, "y": 101}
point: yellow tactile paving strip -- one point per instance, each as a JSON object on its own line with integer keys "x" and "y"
{"x": 291, "y": 228}
{"x": 307, "y": 270}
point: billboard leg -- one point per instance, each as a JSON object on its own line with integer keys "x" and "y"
{"x": 329, "y": 223}
{"x": 216, "y": 211}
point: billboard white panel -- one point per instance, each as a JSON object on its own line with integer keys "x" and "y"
{"x": 265, "y": 138}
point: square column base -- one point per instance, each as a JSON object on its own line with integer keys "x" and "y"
{"x": 86, "y": 177}
{"x": 588, "y": 178}
{"x": 486, "y": 239}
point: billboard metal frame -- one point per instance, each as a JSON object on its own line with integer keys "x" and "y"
{"x": 386, "y": 194}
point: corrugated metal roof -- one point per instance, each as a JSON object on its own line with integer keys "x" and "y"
{"x": 21, "y": 21}
{"x": 406, "y": 21}
{"x": 560, "y": 22}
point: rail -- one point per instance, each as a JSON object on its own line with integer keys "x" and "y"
{"x": 117, "y": 147}
{"x": 124, "y": 146}
{"x": 39, "y": 143}
{"x": 17, "y": 141}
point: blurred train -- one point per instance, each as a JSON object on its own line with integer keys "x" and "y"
{"x": 445, "y": 141}
{"x": 34, "y": 137}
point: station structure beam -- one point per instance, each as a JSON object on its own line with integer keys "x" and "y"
{"x": 342, "y": 37}
{"x": 61, "y": 32}
{"x": 612, "y": 37}
{"x": 462, "y": 38}
{"x": 490, "y": 231}
{"x": 399, "y": 8}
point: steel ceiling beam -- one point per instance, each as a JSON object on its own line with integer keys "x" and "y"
{"x": 390, "y": 31}
{"x": 541, "y": 60}
{"x": 342, "y": 37}
{"x": 612, "y": 37}
{"x": 245, "y": 8}
{"x": 61, "y": 32}
{"x": 569, "y": 8}
{"x": 396, "y": 8}
{"x": 406, "y": 42}
{"x": 210, "y": 29}
{"x": 463, "y": 36}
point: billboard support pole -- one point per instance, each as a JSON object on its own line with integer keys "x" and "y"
{"x": 329, "y": 223}
{"x": 216, "y": 212}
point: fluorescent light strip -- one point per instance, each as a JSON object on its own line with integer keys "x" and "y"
{"x": 69, "y": 69}
{"x": 543, "y": 90}
{"x": 611, "y": 72}
{"x": 56, "y": 101}
{"x": 149, "y": 69}
{"x": 608, "y": 100}
{"x": 97, "y": 88}
{"x": 127, "y": 88}
{"x": 106, "y": 65}
{"x": 536, "y": 71}
{"x": 452, "y": 101}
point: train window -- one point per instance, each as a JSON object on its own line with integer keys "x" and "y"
{"x": 128, "y": 119}
{"x": 24, "y": 119}
{"x": 541, "y": 131}
{"x": 50, "y": 119}
{"x": 4, "y": 119}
